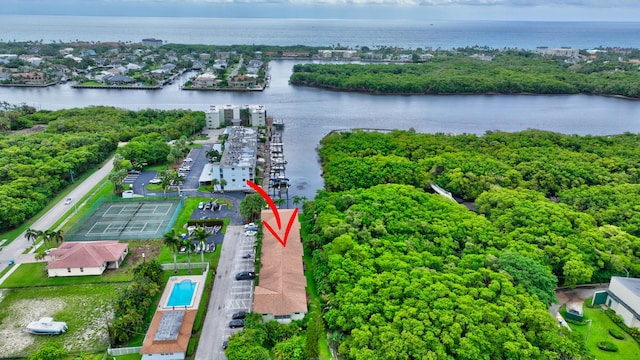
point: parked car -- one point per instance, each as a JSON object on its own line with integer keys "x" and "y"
{"x": 68, "y": 201}
{"x": 239, "y": 315}
{"x": 246, "y": 256}
{"x": 250, "y": 233}
{"x": 155, "y": 181}
{"x": 201, "y": 205}
{"x": 134, "y": 172}
{"x": 225, "y": 344}
{"x": 246, "y": 275}
{"x": 251, "y": 227}
{"x": 188, "y": 160}
{"x": 207, "y": 206}
{"x": 236, "y": 323}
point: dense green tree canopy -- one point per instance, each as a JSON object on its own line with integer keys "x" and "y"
{"x": 450, "y": 73}
{"x": 35, "y": 168}
{"x": 407, "y": 274}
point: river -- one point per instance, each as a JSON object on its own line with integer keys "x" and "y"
{"x": 311, "y": 113}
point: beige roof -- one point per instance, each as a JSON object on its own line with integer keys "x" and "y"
{"x": 281, "y": 289}
{"x": 151, "y": 346}
{"x": 86, "y": 254}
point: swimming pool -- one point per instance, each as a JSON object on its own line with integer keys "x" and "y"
{"x": 182, "y": 293}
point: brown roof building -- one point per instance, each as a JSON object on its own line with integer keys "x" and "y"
{"x": 168, "y": 335}
{"x": 281, "y": 293}
{"x": 86, "y": 258}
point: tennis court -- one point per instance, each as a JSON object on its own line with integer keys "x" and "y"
{"x": 129, "y": 220}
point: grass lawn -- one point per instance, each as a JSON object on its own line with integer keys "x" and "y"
{"x": 35, "y": 275}
{"x": 84, "y": 307}
{"x": 627, "y": 348}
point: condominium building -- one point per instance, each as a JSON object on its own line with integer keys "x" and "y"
{"x": 238, "y": 161}
{"x": 245, "y": 115}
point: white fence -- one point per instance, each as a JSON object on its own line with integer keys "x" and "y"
{"x": 124, "y": 351}
{"x": 183, "y": 266}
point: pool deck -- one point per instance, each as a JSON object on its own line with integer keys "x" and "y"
{"x": 198, "y": 279}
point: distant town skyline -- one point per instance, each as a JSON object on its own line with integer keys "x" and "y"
{"x": 528, "y": 10}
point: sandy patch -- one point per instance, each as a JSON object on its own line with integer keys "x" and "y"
{"x": 12, "y": 337}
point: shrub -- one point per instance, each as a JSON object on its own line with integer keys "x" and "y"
{"x": 607, "y": 346}
{"x": 617, "y": 333}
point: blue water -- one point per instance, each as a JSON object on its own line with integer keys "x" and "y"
{"x": 182, "y": 293}
{"x": 322, "y": 32}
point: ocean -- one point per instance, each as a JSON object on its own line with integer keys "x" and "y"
{"x": 322, "y": 32}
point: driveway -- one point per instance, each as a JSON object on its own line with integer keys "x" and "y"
{"x": 229, "y": 295}
{"x": 574, "y": 297}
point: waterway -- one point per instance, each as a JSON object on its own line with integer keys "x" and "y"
{"x": 310, "y": 113}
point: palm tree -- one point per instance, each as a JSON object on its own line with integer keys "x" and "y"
{"x": 54, "y": 236}
{"x": 214, "y": 183}
{"x": 165, "y": 181}
{"x": 189, "y": 247}
{"x": 176, "y": 179}
{"x": 201, "y": 235}
{"x": 32, "y": 235}
{"x": 172, "y": 240}
{"x": 223, "y": 183}
{"x": 279, "y": 202}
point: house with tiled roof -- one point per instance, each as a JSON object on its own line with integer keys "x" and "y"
{"x": 281, "y": 291}
{"x": 86, "y": 258}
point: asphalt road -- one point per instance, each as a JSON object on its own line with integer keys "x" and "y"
{"x": 14, "y": 250}
{"x": 229, "y": 295}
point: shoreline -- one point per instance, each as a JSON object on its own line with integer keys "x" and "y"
{"x": 617, "y": 96}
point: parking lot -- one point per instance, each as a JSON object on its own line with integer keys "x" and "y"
{"x": 229, "y": 295}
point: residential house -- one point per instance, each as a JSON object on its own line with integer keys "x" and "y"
{"x": 243, "y": 81}
{"x": 205, "y": 80}
{"x": 86, "y": 258}
{"x": 28, "y": 78}
{"x": 281, "y": 293}
{"x": 116, "y": 79}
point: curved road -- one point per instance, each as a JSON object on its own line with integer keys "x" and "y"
{"x": 14, "y": 250}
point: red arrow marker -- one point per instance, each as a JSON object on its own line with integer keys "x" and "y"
{"x": 276, "y": 214}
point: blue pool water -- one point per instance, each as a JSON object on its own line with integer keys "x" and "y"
{"x": 182, "y": 293}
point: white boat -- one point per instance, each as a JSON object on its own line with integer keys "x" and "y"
{"x": 46, "y": 326}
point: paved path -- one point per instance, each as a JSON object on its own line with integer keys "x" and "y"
{"x": 229, "y": 295}
{"x": 14, "y": 251}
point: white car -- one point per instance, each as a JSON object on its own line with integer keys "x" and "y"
{"x": 188, "y": 160}
{"x": 68, "y": 201}
{"x": 201, "y": 205}
{"x": 155, "y": 181}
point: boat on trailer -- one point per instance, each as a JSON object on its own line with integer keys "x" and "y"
{"x": 46, "y": 326}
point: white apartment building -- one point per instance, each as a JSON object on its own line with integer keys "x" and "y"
{"x": 245, "y": 115}
{"x": 238, "y": 161}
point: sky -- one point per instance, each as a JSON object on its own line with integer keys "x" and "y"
{"x": 535, "y": 10}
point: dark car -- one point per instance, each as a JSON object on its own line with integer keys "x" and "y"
{"x": 225, "y": 344}
{"x": 246, "y": 256}
{"x": 245, "y": 275}
{"x": 239, "y": 315}
{"x": 236, "y": 323}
